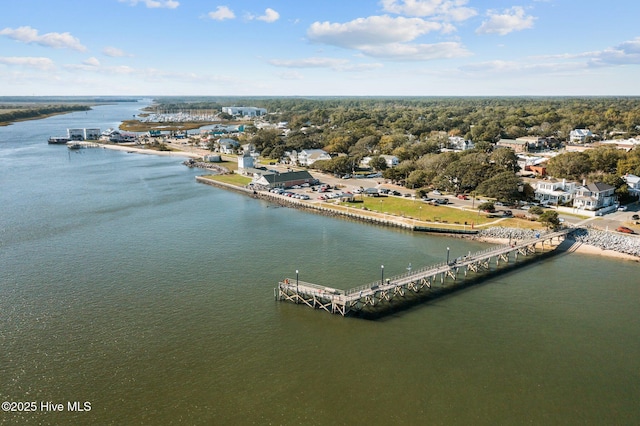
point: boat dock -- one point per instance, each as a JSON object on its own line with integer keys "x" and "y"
{"x": 380, "y": 294}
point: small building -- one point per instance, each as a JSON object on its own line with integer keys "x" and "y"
{"x": 594, "y": 196}
{"x": 75, "y": 134}
{"x": 213, "y": 158}
{"x": 283, "y": 180}
{"x": 458, "y": 143}
{"x": 518, "y": 146}
{"x": 92, "y": 134}
{"x": 245, "y": 161}
{"x": 579, "y": 135}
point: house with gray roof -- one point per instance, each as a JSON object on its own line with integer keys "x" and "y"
{"x": 595, "y": 196}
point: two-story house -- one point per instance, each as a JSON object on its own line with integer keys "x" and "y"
{"x": 594, "y": 196}
{"x": 554, "y": 191}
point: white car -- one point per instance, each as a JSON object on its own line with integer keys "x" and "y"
{"x": 622, "y": 208}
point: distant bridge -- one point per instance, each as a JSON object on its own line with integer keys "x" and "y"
{"x": 380, "y": 294}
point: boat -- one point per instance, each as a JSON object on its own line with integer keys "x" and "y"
{"x": 58, "y": 140}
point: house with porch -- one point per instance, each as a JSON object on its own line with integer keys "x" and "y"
{"x": 228, "y": 146}
{"x": 595, "y": 196}
{"x": 554, "y": 191}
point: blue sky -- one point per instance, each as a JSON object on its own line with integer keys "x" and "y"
{"x": 312, "y": 48}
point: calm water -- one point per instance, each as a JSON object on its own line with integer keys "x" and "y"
{"x": 125, "y": 283}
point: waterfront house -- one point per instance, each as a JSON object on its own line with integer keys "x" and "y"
{"x": 391, "y": 161}
{"x": 595, "y": 196}
{"x": 282, "y": 180}
{"x": 554, "y": 191}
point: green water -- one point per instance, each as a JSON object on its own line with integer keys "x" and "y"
{"x": 126, "y": 284}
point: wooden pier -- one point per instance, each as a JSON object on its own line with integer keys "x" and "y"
{"x": 380, "y": 294}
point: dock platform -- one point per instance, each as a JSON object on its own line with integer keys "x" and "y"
{"x": 382, "y": 292}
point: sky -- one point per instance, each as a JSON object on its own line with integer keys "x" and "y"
{"x": 319, "y": 48}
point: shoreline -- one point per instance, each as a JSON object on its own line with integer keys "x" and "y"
{"x": 577, "y": 246}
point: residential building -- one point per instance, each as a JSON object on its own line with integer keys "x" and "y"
{"x": 579, "y": 135}
{"x": 391, "y": 161}
{"x": 458, "y": 143}
{"x": 307, "y": 157}
{"x": 633, "y": 182}
{"x": 554, "y": 191}
{"x": 594, "y": 196}
{"x": 228, "y": 146}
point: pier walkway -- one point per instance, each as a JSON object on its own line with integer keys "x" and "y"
{"x": 380, "y": 294}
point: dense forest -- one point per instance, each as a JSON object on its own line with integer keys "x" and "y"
{"x": 416, "y": 130}
{"x": 11, "y": 113}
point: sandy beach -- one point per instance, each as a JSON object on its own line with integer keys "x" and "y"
{"x": 151, "y": 151}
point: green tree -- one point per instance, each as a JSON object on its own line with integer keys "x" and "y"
{"x": 550, "y": 219}
{"x": 570, "y": 165}
{"x": 503, "y": 186}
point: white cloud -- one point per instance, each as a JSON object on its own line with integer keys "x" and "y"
{"x": 509, "y": 20}
{"x": 269, "y": 16}
{"x": 28, "y": 62}
{"x": 443, "y": 9}
{"x": 114, "y": 52}
{"x": 372, "y": 30}
{"x": 154, "y": 4}
{"x": 416, "y": 52}
{"x": 221, "y": 13}
{"x": 92, "y": 61}
{"x": 626, "y": 53}
{"x": 331, "y": 63}
{"x": 56, "y": 40}
{"x": 387, "y": 37}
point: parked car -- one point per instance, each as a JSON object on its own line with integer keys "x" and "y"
{"x": 625, "y": 230}
{"x": 463, "y": 197}
{"x": 635, "y": 217}
{"x": 507, "y": 213}
{"x": 622, "y": 208}
{"x": 436, "y": 192}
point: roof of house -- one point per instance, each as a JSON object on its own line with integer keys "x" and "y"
{"x": 599, "y": 187}
{"x": 287, "y": 177}
{"x": 629, "y": 178}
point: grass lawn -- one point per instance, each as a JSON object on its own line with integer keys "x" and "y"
{"x": 232, "y": 179}
{"x": 428, "y": 213}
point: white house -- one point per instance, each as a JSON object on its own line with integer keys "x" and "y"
{"x": 633, "y": 182}
{"x": 594, "y": 196}
{"x": 228, "y": 146}
{"x": 245, "y": 161}
{"x": 391, "y": 161}
{"x": 307, "y": 157}
{"x": 244, "y": 111}
{"x": 579, "y": 135}
{"x": 554, "y": 191}
{"x": 459, "y": 143}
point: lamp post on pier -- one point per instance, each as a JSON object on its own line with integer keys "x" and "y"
{"x": 297, "y": 283}
{"x": 381, "y": 274}
{"x": 447, "y": 255}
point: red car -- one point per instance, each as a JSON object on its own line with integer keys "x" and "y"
{"x": 625, "y": 230}
{"x": 463, "y": 197}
